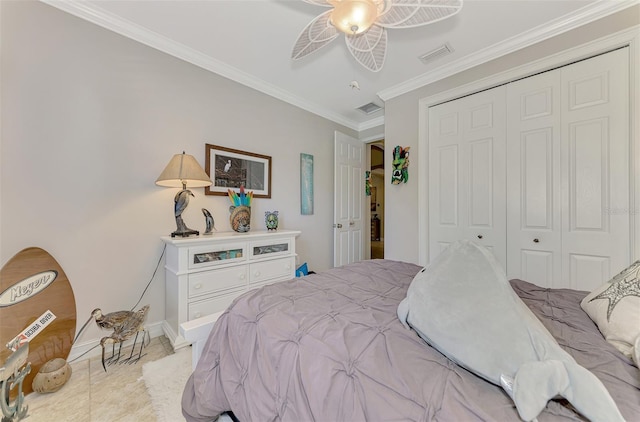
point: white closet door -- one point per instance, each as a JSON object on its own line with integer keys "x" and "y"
{"x": 595, "y": 151}
{"x": 534, "y": 180}
{"x": 568, "y": 174}
{"x": 467, "y": 172}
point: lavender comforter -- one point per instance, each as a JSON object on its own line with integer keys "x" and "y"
{"x": 329, "y": 347}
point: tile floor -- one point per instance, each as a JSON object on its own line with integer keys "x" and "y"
{"x": 93, "y": 395}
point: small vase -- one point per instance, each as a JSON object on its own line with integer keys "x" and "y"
{"x": 240, "y": 218}
{"x": 271, "y": 220}
{"x": 52, "y": 376}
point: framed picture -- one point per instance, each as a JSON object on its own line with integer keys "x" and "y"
{"x": 231, "y": 168}
{"x": 306, "y": 184}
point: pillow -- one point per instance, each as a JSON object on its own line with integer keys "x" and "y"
{"x": 463, "y": 305}
{"x": 615, "y": 308}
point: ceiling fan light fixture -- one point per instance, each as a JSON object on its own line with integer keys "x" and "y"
{"x": 365, "y": 24}
{"x": 354, "y": 16}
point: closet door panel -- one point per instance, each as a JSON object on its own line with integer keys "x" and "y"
{"x": 595, "y": 131}
{"x": 467, "y": 172}
{"x": 533, "y": 179}
{"x": 588, "y": 176}
{"x": 536, "y": 165}
{"x": 480, "y": 184}
{"x": 483, "y": 160}
{"x": 448, "y": 186}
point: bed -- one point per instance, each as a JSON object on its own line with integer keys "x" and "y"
{"x": 329, "y": 347}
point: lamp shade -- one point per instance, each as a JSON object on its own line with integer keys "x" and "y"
{"x": 183, "y": 169}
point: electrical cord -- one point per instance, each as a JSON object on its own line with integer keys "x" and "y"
{"x": 152, "y": 277}
{"x": 134, "y": 306}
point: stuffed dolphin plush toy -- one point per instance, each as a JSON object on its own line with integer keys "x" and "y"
{"x": 463, "y": 305}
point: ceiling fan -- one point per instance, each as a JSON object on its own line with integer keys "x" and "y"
{"x": 365, "y": 24}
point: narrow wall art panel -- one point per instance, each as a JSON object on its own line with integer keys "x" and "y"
{"x": 306, "y": 184}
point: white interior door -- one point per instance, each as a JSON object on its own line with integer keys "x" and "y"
{"x": 348, "y": 237}
{"x": 534, "y": 235}
{"x": 568, "y": 174}
{"x": 467, "y": 172}
{"x": 595, "y": 150}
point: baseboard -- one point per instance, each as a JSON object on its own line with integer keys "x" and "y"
{"x": 92, "y": 348}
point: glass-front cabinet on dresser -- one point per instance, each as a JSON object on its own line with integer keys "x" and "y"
{"x": 203, "y": 274}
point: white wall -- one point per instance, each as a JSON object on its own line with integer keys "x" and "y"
{"x": 402, "y": 126}
{"x": 90, "y": 119}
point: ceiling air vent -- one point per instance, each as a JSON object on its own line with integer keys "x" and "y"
{"x": 443, "y": 50}
{"x": 369, "y": 108}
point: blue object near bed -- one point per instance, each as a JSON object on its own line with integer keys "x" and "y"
{"x": 463, "y": 305}
{"x": 302, "y": 270}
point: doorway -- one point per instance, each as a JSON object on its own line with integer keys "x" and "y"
{"x": 376, "y": 198}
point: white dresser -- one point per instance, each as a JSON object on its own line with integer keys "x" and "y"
{"x": 203, "y": 274}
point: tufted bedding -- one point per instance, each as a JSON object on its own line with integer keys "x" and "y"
{"x": 329, "y": 347}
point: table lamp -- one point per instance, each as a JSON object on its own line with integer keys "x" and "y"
{"x": 183, "y": 170}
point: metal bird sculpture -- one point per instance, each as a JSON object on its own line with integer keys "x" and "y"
{"x": 208, "y": 220}
{"x": 133, "y": 324}
{"x": 110, "y": 321}
{"x": 181, "y": 201}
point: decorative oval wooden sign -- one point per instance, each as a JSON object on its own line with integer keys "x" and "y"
{"x": 31, "y": 283}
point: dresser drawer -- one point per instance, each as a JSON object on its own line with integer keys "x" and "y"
{"x": 207, "y": 256}
{"x": 217, "y": 280}
{"x": 209, "y": 306}
{"x": 268, "y": 270}
{"x": 270, "y": 248}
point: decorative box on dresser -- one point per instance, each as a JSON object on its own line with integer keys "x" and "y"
{"x": 204, "y": 274}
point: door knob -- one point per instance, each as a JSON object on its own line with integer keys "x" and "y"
{"x": 339, "y": 226}
{"x": 352, "y": 223}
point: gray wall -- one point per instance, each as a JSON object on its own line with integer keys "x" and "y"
{"x": 402, "y": 121}
{"x": 90, "y": 119}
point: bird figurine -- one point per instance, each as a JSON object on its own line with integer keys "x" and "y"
{"x": 227, "y": 166}
{"x": 110, "y": 321}
{"x": 208, "y": 220}
{"x": 181, "y": 201}
{"x": 133, "y": 324}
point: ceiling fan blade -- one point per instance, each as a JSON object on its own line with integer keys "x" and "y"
{"x": 324, "y": 3}
{"x": 410, "y": 13}
{"x": 314, "y": 36}
{"x": 369, "y": 48}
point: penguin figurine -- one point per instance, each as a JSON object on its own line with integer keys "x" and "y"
{"x": 208, "y": 219}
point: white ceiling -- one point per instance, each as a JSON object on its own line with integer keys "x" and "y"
{"x": 250, "y": 41}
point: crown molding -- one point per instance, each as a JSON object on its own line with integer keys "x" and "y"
{"x": 558, "y": 26}
{"x": 112, "y": 22}
{"x": 378, "y": 121}
{"x": 373, "y": 138}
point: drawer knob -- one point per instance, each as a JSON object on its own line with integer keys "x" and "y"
{"x": 480, "y": 236}
{"x": 257, "y": 273}
{"x": 536, "y": 240}
{"x": 242, "y": 276}
{"x": 198, "y": 286}
{"x": 197, "y": 315}
{"x": 288, "y": 267}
